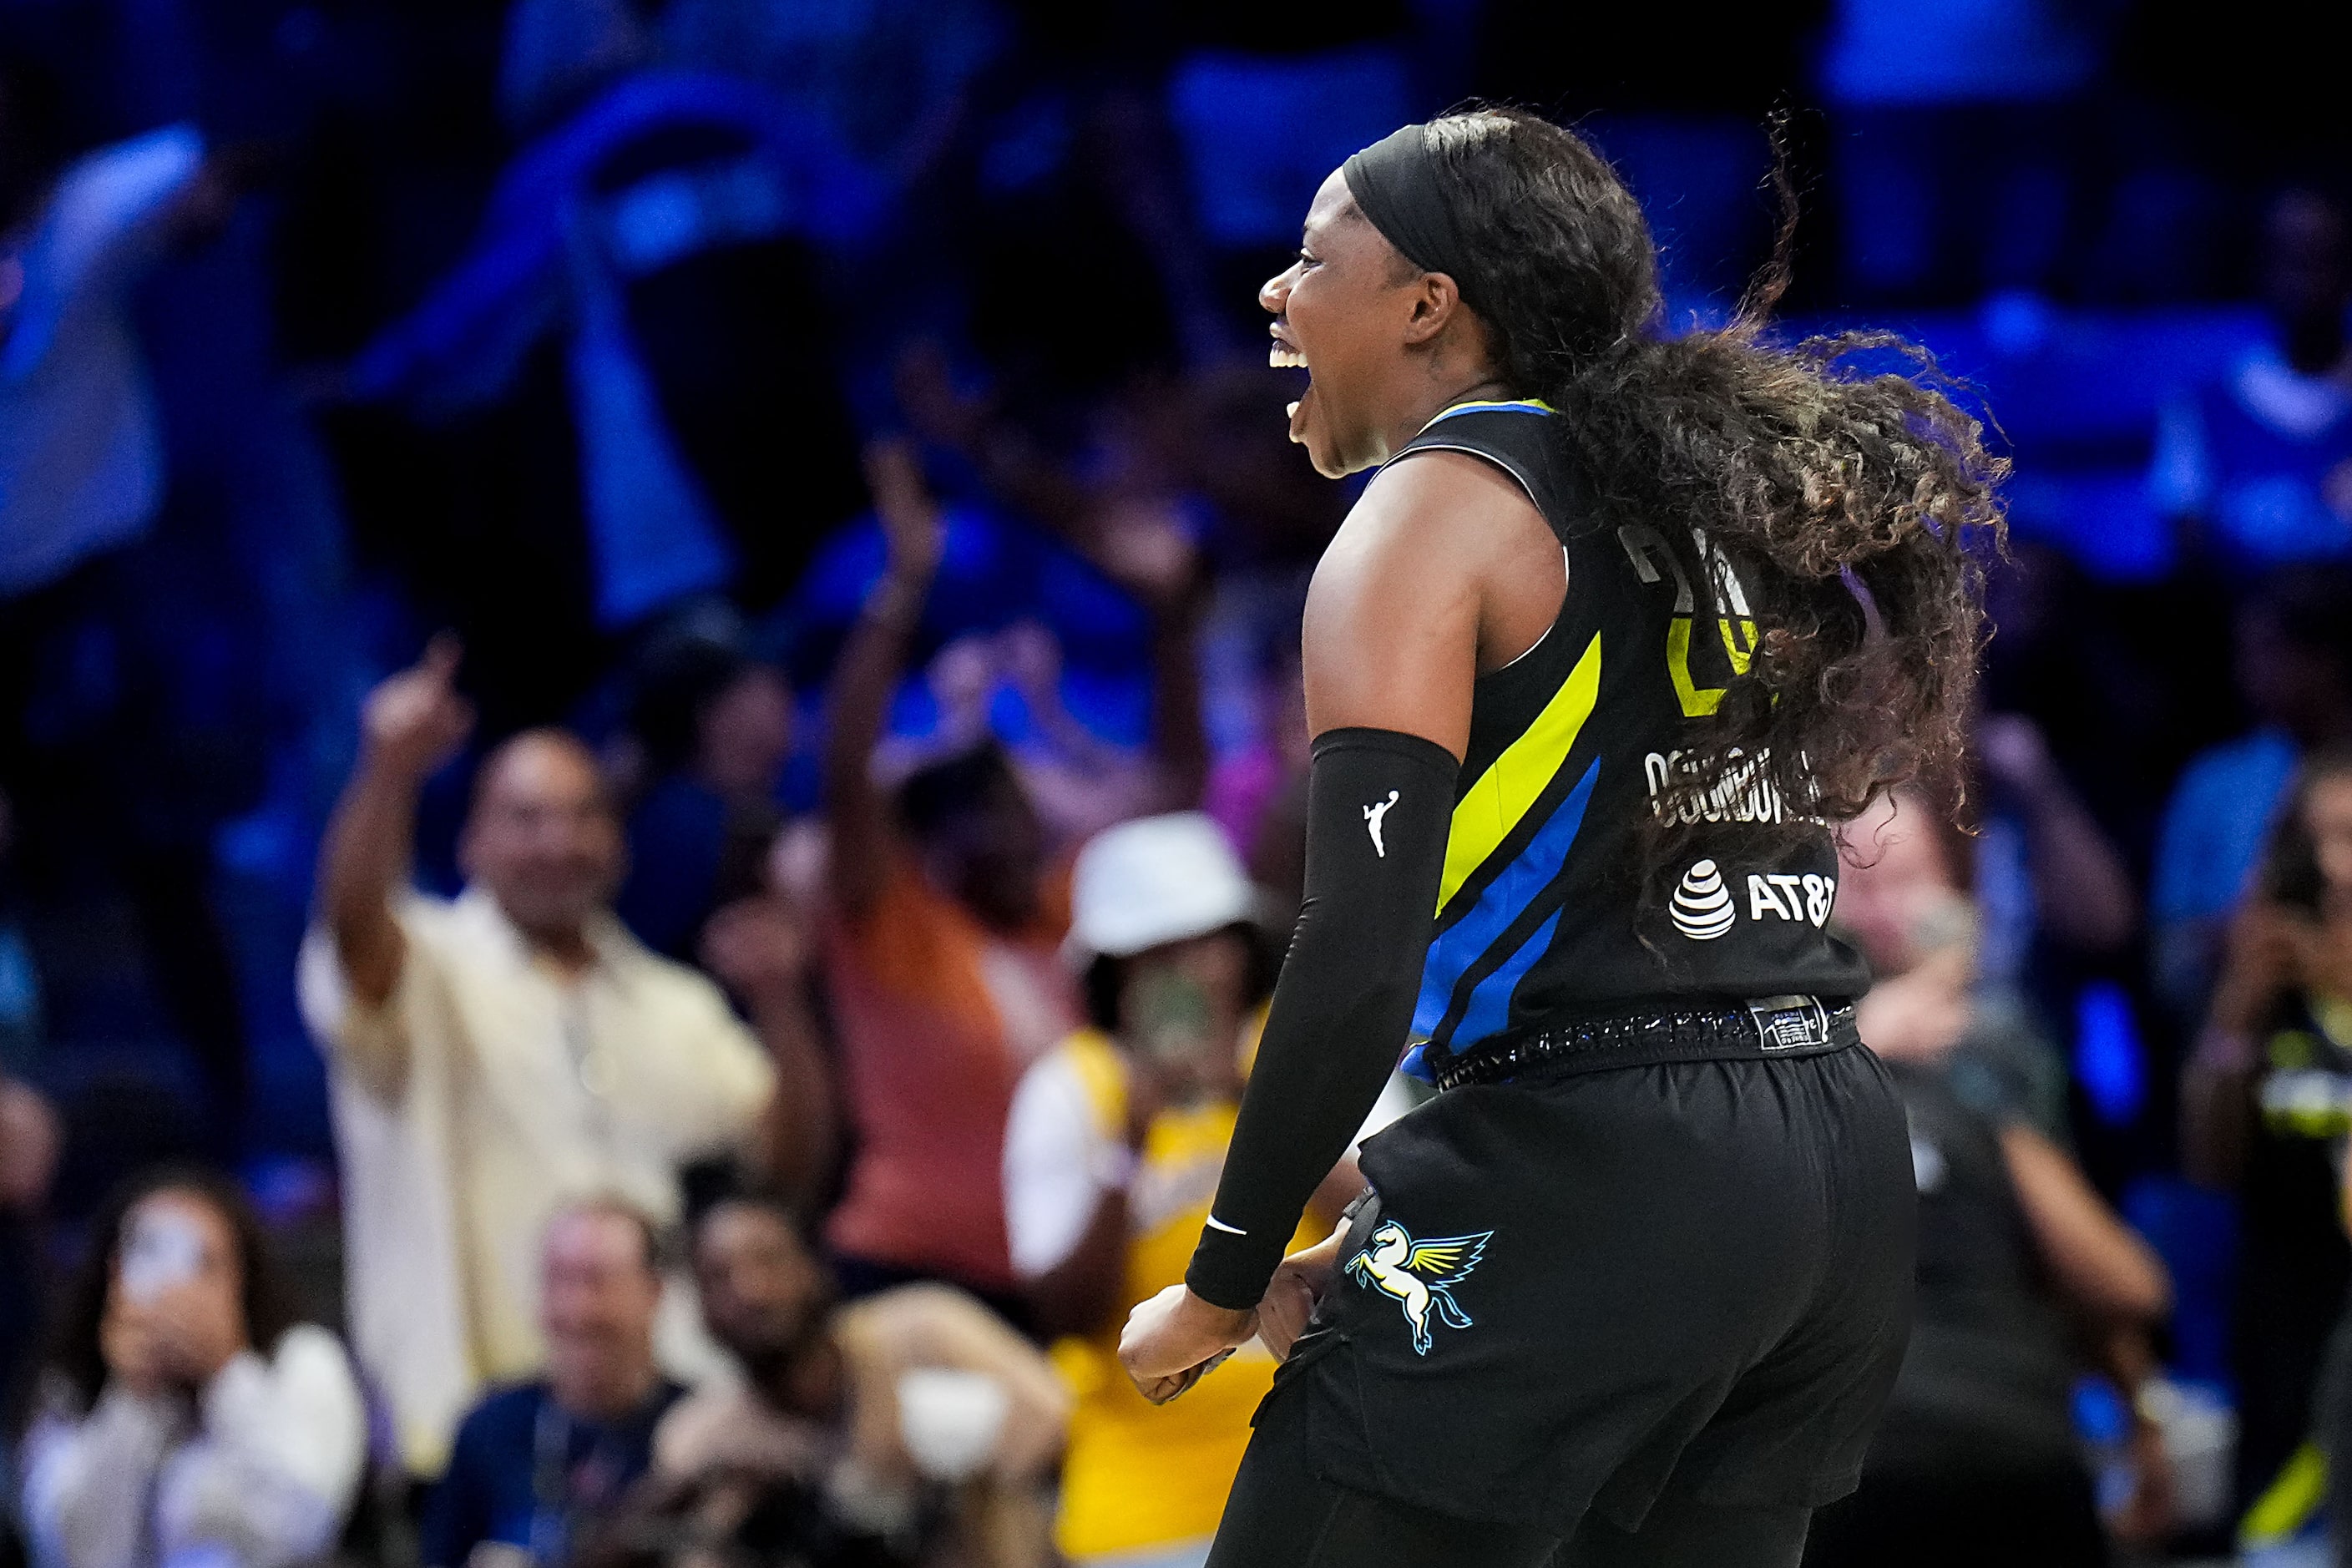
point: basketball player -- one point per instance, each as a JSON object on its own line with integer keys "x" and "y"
{"x": 1622, "y": 621}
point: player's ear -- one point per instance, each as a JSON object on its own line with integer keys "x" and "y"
{"x": 1437, "y": 300}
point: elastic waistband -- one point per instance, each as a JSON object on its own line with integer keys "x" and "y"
{"x": 1765, "y": 1028}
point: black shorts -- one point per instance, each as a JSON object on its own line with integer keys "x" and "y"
{"x": 1567, "y": 1291}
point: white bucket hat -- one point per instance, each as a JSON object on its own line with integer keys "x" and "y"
{"x": 1152, "y": 880}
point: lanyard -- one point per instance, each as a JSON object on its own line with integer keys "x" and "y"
{"x": 592, "y": 1069}
{"x": 551, "y": 1483}
{"x": 556, "y": 1505}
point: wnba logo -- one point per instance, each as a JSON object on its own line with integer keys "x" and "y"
{"x": 1702, "y": 909}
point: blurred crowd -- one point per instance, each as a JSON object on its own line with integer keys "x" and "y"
{"x": 652, "y": 761}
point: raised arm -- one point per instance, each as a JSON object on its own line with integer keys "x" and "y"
{"x": 1179, "y": 737}
{"x": 2120, "y": 1291}
{"x": 1147, "y": 551}
{"x": 412, "y": 724}
{"x": 2099, "y": 1264}
{"x": 2217, "y": 1085}
{"x": 2080, "y": 889}
{"x": 759, "y": 948}
{"x": 867, "y": 675}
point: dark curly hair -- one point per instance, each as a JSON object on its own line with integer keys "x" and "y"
{"x": 1851, "y": 504}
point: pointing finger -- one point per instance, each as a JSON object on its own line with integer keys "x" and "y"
{"x": 442, "y": 657}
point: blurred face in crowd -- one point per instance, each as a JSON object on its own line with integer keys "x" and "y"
{"x": 1341, "y": 312}
{"x": 763, "y": 1296}
{"x": 598, "y": 1292}
{"x": 744, "y": 734}
{"x": 175, "y": 1313}
{"x": 989, "y": 853}
{"x": 543, "y": 836}
{"x": 2286, "y": 681}
{"x": 1897, "y": 896}
{"x": 2327, "y": 817}
{"x": 2307, "y": 278}
{"x": 178, "y": 1239}
{"x": 1179, "y": 1007}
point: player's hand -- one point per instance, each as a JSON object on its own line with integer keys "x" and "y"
{"x": 415, "y": 720}
{"x": 1175, "y": 1338}
{"x": 1297, "y": 1291}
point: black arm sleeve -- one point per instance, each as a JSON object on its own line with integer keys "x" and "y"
{"x": 1378, "y": 807}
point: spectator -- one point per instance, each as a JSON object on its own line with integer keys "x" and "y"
{"x": 1111, "y": 1159}
{"x": 639, "y": 293}
{"x": 29, "y": 1162}
{"x": 536, "y": 1468}
{"x": 2044, "y": 868}
{"x": 1976, "y": 1461}
{"x": 2332, "y": 1400}
{"x": 2257, "y": 465}
{"x": 2266, "y": 1100}
{"x": 912, "y": 1423}
{"x": 1079, "y": 784}
{"x": 1123, "y": 507}
{"x": 82, "y": 481}
{"x": 186, "y": 1417}
{"x": 941, "y": 952}
{"x": 716, "y": 728}
{"x": 1258, "y": 792}
{"x": 1272, "y": 516}
{"x": 2295, "y": 669}
{"x": 80, "y": 450}
{"x": 492, "y": 1054}
{"x": 1902, "y": 901}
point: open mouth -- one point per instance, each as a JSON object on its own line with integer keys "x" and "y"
{"x": 1283, "y": 355}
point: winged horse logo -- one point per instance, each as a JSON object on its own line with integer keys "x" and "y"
{"x": 1420, "y": 1274}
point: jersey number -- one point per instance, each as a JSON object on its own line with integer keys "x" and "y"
{"x": 1648, "y": 551}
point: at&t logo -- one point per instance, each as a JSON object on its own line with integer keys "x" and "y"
{"x": 1702, "y": 909}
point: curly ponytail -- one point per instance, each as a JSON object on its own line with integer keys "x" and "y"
{"x": 1851, "y": 504}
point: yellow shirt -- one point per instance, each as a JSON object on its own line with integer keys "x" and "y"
{"x": 1139, "y": 1475}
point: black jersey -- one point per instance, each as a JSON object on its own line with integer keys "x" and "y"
{"x": 1542, "y": 914}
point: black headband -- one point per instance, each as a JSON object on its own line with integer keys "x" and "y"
{"x": 1399, "y": 186}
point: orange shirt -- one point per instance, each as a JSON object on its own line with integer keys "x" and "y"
{"x": 938, "y": 1016}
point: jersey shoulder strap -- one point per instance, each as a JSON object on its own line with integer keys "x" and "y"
{"x": 1518, "y": 437}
